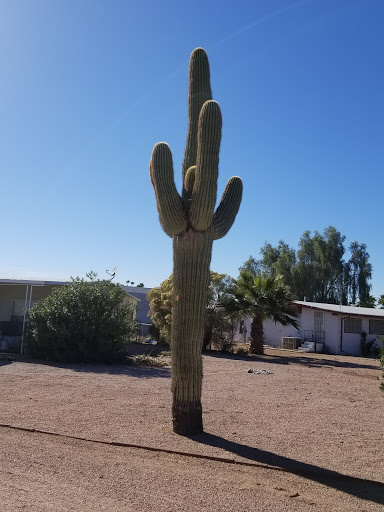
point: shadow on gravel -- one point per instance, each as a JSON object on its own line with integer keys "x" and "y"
{"x": 369, "y": 490}
{"x": 4, "y": 361}
{"x": 146, "y": 372}
{"x": 311, "y": 362}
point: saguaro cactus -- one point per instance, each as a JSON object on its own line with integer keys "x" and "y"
{"x": 193, "y": 224}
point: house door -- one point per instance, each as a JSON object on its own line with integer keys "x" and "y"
{"x": 318, "y": 326}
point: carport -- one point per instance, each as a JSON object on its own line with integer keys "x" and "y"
{"x": 17, "y": 296}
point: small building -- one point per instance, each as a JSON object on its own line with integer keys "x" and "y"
{"x": 143, "y": 311}
{"x": 17, "y": 296}
{"x": 330, "y": 328}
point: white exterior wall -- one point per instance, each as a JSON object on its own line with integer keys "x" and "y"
{"x": 351, "y": 342}
{"x": 334, "y": 343}
{"x": 274, "y": 332}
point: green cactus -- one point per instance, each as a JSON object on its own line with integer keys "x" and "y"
{"x": 192, "y": 222}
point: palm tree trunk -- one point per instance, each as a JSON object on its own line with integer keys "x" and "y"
{"x": 257, "y": 335}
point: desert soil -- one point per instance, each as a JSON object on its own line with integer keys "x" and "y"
{"x": 306, "y": 434}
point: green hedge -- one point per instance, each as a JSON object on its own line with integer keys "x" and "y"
{"x": 83, "y": 321}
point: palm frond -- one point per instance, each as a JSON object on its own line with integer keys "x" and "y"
{"x": 262, "y": 296}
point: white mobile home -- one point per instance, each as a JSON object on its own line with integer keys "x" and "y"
{"x": 335, "y": 329}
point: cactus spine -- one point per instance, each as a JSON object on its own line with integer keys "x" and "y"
{"x": 193, "y": 224}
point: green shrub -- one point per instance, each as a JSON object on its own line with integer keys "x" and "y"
{"x": 242, "y": 351}
{"x": 368, "y": 346}
{"x": 84, "y": 321}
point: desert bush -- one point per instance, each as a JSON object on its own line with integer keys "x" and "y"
{"x": 241, "y": 351}
{"x": 151, "y": 359}
{"x": 368, "y": 346}
{"x": 83, "y": 321}
{"x": 221, "y": 331}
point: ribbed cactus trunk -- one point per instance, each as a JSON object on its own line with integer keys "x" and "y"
{"x": 191, "y": 219}
{"x": 192, "y": 256}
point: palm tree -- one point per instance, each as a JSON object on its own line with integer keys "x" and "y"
{"x": 261, "y": 297}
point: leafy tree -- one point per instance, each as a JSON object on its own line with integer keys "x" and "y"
{"x": 328, "y": 264}
{"x": 270, "y": 256}
{"x": 261, "y": 297}
{"x": 360, "y": 271}
{"x": 83, "y": 321}
{"x": 304, "y": 270}
{"x": 380, "y": 301}
{"x": 217, "y": 325}
{"x": 279, "y": 261}
{"x": 160, "y": 304}
{"x": 140, "y": 285}
{"x": 368, "y": 302}
{"x": 251, "y": 265}
{"x": 317, "y": 270}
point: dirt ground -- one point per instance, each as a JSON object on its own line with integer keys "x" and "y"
{"x": 304, "y": 434}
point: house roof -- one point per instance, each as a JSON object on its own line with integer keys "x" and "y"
{"x": 343, "y": 310}
{"x": 143, "y": 307}
{"x": 35, "y": 282}
{"x": 136, "y": 290}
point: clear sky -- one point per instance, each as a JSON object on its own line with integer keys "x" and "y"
{"x": 89, "y": 86}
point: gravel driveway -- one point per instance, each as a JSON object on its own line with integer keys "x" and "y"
{"x": 300, "y": 432}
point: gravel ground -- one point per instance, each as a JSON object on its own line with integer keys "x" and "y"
{"x": 302, "y": 432}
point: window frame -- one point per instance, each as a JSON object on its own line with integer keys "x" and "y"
{"x": 375, "y": 331}
{"x": 353, "y": 319}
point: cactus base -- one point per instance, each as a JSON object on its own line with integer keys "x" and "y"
{"x": 187, "y": 418}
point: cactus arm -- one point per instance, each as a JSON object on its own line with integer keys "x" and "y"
{"x": 207, "y": 166}
{"x": 169, "y": 203}
{"x": 227, "y": 210}
{"x": 199, "y": 92}
{"x": 189, "y": 180}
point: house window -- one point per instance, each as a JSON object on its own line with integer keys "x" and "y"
{"x": 352, "y": 325}
{"x": 376, "y": 327}
{"x": 241, "y": 327}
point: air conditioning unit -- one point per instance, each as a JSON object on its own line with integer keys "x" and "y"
{"x": 291, "y": 342}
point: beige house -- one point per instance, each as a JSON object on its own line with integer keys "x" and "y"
{"x": 17, "y": 296}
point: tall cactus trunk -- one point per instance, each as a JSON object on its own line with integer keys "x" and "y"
{"x": 191, "y": 220}
{"x": 192, "y": 256}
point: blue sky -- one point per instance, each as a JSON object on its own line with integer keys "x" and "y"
{"x": 89, "y": 86}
